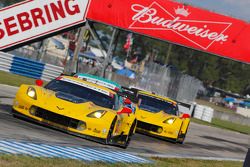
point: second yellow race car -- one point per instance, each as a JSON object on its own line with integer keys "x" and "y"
{"x": 78, "y": 107}
{"x": 159, "y": 116}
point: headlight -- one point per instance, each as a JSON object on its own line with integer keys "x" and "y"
{"x": 96, "y": 114}
{"x": 31, "y": 92}
{"x": 169, "y": 121}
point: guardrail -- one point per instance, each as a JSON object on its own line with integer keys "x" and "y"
{"x": 29, "y": 68}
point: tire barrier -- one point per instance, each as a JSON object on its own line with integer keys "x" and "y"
{"x": 29, "y": 68}
{"x": 203, "y": 113}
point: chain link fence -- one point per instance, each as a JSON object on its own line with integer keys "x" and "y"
{"x": 169, "y": 82}
{"x": 47, "y": 51}
{"x": 156, "y": 78}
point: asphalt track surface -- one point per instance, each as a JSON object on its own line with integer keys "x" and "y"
{"x": 202, "y": 142}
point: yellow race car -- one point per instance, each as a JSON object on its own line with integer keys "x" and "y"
{"x": 159, "y": 116}
{"x": 78, "y": 107}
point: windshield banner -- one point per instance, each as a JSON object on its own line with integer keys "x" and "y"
{"x": 32, "y": 19}
{"x": 177, "y": 23}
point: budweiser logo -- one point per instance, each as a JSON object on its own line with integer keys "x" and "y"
{"x": 182, "y": 11}
{"x": 199, "y": 32}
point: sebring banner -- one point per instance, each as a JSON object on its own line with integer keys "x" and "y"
{"x": 32, "y": 19}
{"x": 177, "y": 23}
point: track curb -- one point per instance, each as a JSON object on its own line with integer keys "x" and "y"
{"x": 179, "y": 156}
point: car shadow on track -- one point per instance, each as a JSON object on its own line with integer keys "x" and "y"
{"x": 215, "y": 147}
{"x": 226, "y": 141}
{"x": 5, "y": 107}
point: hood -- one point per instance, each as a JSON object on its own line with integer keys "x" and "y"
{"x": 65, "y": 104}
{"x": 147, "y": 116}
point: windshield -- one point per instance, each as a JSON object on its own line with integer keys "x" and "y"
{"x": 155, "y": 105}
{"x": 80, "y": 94}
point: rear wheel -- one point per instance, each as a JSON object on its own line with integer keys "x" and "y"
{"x": 111, "y": 129}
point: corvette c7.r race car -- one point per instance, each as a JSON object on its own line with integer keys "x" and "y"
{"x": 108, "y": 84}
{"x": 159, "y": 116}
{"x": 77, "y": 107}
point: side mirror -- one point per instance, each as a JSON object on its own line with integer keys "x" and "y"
{"x": 185, "y": 116}
{"x": 127, "y": 101}
{"x": 39, "y": 82}
{"x": 125, "y": 110}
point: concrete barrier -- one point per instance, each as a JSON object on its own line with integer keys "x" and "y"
{"x": 232, "y": 117}
{"x": 243, "y": 111}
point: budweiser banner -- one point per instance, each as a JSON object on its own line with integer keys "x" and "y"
{"x": 31, "y": 19}
{"x": 177, "y": 23}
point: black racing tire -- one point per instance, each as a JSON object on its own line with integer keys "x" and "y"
{"x": 129, "y": 135}
{"x": 111, "y": 129}
{"x": 182, "y": 142}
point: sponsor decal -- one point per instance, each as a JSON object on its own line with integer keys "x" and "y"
{"x": 59, "y": 108}
{"x": 20, "y": 106}
{"x": 85, "y": 85}
{"x": 98, "y": 82}
{"x": 96, "y": 131}
{"x": 179, "y": 24}
{"x": 199, "y": 32}
{"x": 171, "y": 133}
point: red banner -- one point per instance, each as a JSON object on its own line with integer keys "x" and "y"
{"x": 177, "y": 23}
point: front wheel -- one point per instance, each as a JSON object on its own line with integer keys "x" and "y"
{"x": 182, "y": 137}
{"x": 131, "y": 132}
{"x": 111, "y": 129}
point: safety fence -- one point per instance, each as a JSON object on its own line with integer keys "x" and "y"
{"x": 169, "y": 82}
{"x": 29, "y": 68}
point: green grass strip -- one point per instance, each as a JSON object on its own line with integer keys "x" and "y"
{"x": 25, "y": 161}
{"x": 225, "y": 125}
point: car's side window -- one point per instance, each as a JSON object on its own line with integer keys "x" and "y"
{"x": 118, "y": 102}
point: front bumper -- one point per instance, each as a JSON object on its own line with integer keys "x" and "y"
{"x": 158, "y": 131}
{"x": 61, "y": 126}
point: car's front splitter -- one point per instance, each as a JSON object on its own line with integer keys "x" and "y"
{"x": 115, "y": 140}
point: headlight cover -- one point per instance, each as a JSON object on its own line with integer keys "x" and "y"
{"x": 97, "y": 114}
{"x": 31, "y": 92}
{"x": 169, "y": 121}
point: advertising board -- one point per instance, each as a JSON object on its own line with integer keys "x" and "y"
{"x": 32, "y": 19}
